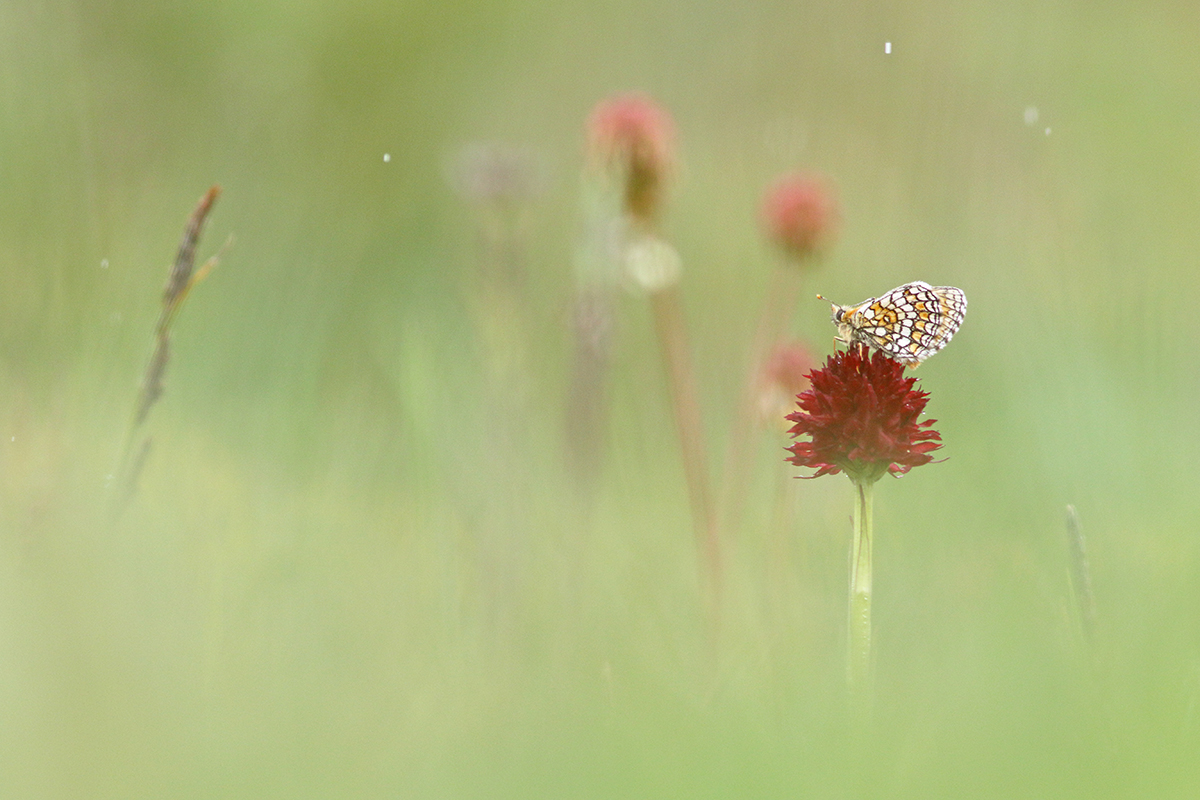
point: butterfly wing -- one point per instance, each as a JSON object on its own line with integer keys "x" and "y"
{"x": 951, "y": 305}
{"x": 910, "y": 323}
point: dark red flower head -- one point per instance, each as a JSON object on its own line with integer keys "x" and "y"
{"x": 861, "y": 413}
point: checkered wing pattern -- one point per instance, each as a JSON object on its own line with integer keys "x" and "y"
{"x": 910, "y": 323}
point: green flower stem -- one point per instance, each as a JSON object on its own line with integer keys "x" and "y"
{"x": 859, "y": 664}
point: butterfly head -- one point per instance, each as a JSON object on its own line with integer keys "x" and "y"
{"x": 840, "y": 316}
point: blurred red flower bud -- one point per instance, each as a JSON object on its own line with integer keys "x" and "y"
{"x": 800, "y": 214}
{"x": 633, "y": 134}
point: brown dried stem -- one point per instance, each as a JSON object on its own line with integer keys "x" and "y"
{"x": 182, "y": 277}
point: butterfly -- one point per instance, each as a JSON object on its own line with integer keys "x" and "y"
{"x": 910, "y": 323}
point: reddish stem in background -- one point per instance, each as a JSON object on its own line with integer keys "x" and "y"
{"x": 780, "y": 304}
{"x": 672, "y": 336}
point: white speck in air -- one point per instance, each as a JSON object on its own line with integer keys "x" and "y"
{"x": 1031, "y": 115}
{"x": 887, "y": 48}
{"x": 1047, "y": 131}
{"x": 387, "y": 157}
{"x": 104, "y": 263}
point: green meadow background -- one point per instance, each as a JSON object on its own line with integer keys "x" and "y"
{"x": 356, "y": 563}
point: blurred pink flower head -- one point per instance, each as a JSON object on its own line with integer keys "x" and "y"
{"x": 800, "y": 214}
{"x": 781, "y": 377}
{"x": 635, "y": 135}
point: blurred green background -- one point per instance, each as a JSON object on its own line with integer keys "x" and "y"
{"x": 356, "y": 565}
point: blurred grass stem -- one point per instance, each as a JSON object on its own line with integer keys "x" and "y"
{"x": 1081, "y": 580}
{"x": 182, "y": 277}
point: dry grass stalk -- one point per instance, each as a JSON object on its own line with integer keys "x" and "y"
{"x": 182, "y": 277}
